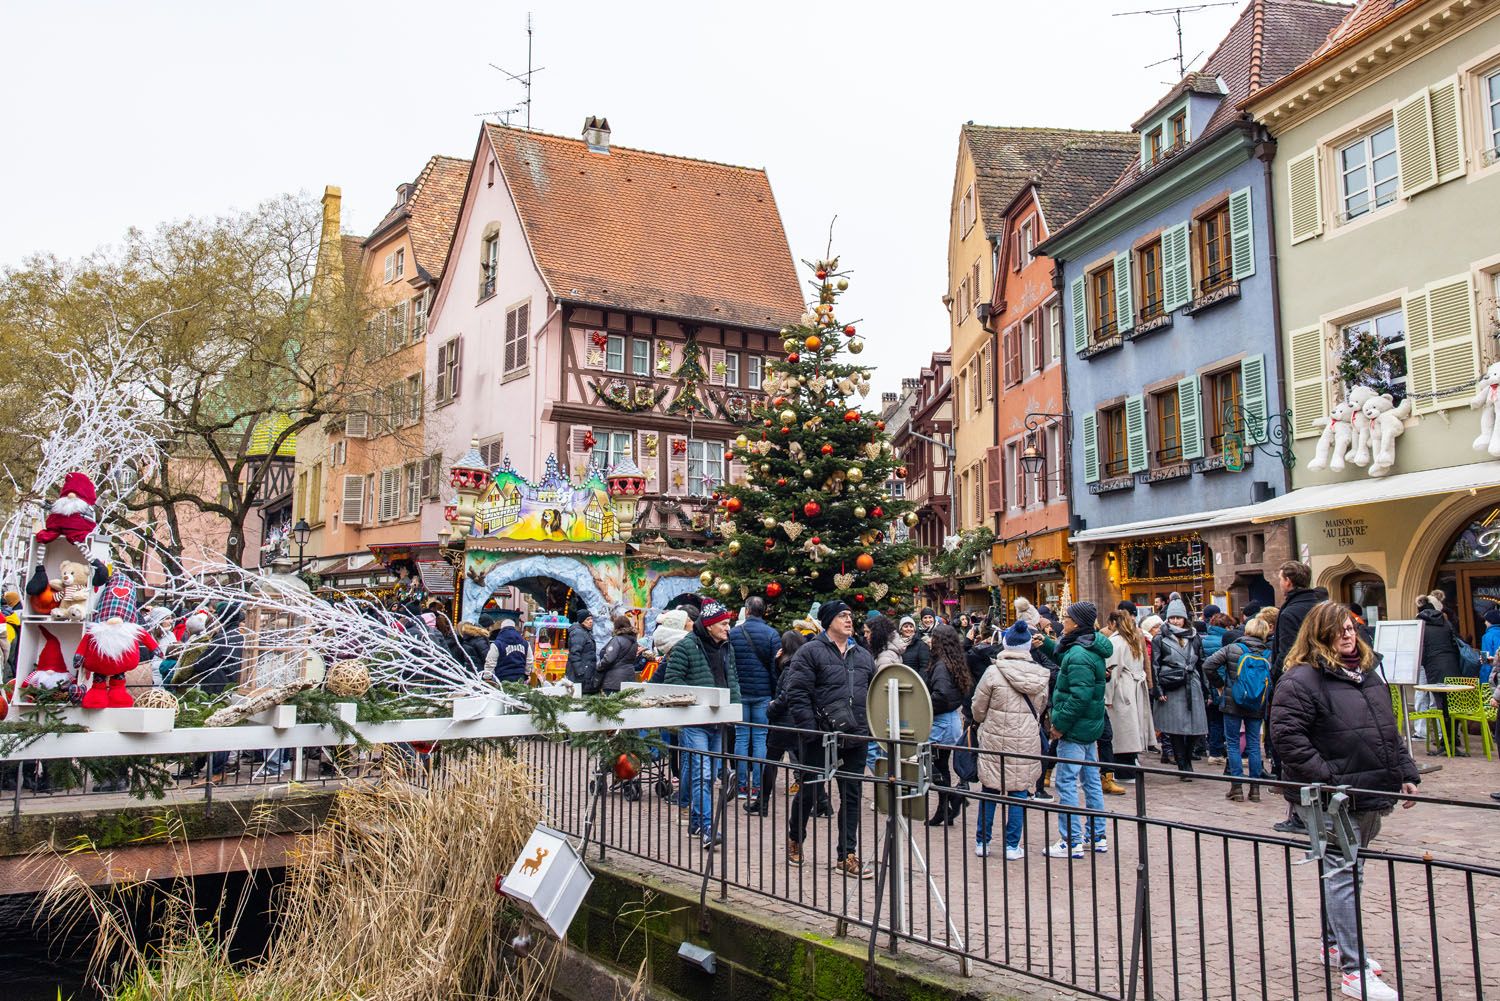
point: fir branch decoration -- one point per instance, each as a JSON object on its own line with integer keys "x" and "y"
{"x": 961, "y": 558}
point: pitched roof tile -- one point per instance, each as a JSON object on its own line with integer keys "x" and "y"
{"x": 631, "y": 229}
{"x": 434, "y": 205}
{"x": 1008, "y": 158}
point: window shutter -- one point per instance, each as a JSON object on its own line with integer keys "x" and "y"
{"x": 677, "y": 465}
{"x": 1253, "y": 398}
{"x": 593, "y": 355}
{"x": 1442, "y": 352}
{"x": 1190, "y": 416}
{"x": 390, "y": 494}
{"x": 1090, "y": 448}
{"x": 1304, "y": 196}
{"x": 737, "y": 474}
{"x": 1080, "y": 315}
{"x": 456, "y": 365}
{"x": 974, "y": 285}
{"x": 988, "y": 368}
{"x": 509, "y": 362}
{"x": 994, "y": 478}
{"x": 578, "y": 452}
{"x": 648, "y": 456}
{"x": 356, "y": 424}
{"x": 1012, "y": 348}
{"x": 1177, "y": 270}
{"x": 1135, "y": 433}
{"x": 353, "y": 512}
{"x": 716, "y": 366}
{"x": 1242, "y": 234}
{"x": 1447, "y": 129}
{"x": 523, "y": 335}
{"x": 1416, "y": 159}
{"x": 1309, "y": 381}
{"x": 1124, "y": 301}
{"x": 440, "y": 390}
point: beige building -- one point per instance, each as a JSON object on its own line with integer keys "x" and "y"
{"x": 1387, "y": 230}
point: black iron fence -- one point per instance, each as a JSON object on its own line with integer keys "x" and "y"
{"x": 1181, "y": 899}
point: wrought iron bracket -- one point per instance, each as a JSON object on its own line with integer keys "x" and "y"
{"x": 1273, "y": 433}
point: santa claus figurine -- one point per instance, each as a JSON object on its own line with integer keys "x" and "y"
{"x": 108, "y": 650}
{"x": 51, "y": 669}
{"x": 72, "y": 514}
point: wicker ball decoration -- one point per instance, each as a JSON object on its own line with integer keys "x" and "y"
{"x": 347, "y": 678}
{"x": 156, "y": 698}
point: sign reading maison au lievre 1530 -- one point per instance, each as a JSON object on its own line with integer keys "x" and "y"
{"x": 1345, "y": 533}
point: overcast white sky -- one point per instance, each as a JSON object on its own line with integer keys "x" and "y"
{"x": 128, "y": 114}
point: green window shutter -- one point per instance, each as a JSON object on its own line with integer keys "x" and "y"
{"x": 1309, "y": 381}
{"x": 1242, "y": 234}
{"x": 1090, "y": 448}
{"x": 1135, "y": 433}
{"x": 1442, "y": 351}
{"x": 1447, "y": 129}
{"x": 1304, "y": 196}
{"x": 1416, "y": 159}
{"x": 1253, "y": 398}
{"x": 1177, "y": 279}
{"x": 1190, "y": 417}
{"x": 1080, "y": 315}
{"x": 1124, "y": 301}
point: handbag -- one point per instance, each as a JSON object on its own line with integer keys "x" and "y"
{"x": 966, "y": 761}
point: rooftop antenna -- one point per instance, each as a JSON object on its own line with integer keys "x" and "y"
{"x": 1176, "y": 12}
{"x": 524, "y": 79}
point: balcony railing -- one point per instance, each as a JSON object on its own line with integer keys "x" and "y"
{"x": 1104, "y": 331}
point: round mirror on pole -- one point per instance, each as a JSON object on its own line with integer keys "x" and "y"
{"x": 899, "y": 708}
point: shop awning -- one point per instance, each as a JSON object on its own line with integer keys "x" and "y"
{"x": 1161, "y": 526}
{"x": 1372, "y": 490}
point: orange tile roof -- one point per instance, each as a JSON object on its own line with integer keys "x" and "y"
{"x": 434, "y": 205}
{"x": 631, "y": 229}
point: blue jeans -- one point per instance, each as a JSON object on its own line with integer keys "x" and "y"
{"x": 1216, "y": 731}
{"x": 701, "y": 769}
{"x": 1015, "y": 818}
{"x": 1065, "y": 783}
{"x": 1232, "y": 726}
{"x": 750, "y": 741}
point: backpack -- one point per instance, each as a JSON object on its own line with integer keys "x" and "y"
{"x": 1468, "y": 658}
{"x": 1252, "y": 680}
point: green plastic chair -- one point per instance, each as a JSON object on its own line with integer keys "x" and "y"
{"x": 1435, "y": 715}
{"x": 1473, "y": 706}
{"x": 1398, "y": 707}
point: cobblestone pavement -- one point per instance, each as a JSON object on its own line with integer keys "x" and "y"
{"x": 1232, "y": 914}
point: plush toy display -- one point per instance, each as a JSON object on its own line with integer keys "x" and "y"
{"x": 1361, "y": 447}
{"x": 73, "y": 587}
{"x": 39, "y": 593}
{"x": 110, "y": 649}
{"x": 51, "y": 671}
{"x": 1387, "y": 422}
{"x": 1487, "y": 401}
{"x": 1334, "y": 444}
{"x": 72, "y": 514}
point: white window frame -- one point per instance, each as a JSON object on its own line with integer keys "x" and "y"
{"x": 1341, "y": 176}
{"x": 1028, "y": 242}
{"x": 707, "y": 458}
{"x": 489, "y": 266}
{"x": 754, "y": 371}
{"x": 419, "y": 306}
{"x": 1054, "y": 331}
{"x": 614, "y": 354}
{"x": 1058, "y": 460}
{"x": 1010, "y": 475}
{"x": 640, "y": 357}
{"x": 413, "y": 475}
{"x": 390, "y": 476}
{"x": 414, "y": 398}
{"x": 732, "y": 369}
{"x": 1372, "y": 316}
{"x": 1489, "y": 112}
{"x": 612, "y": 446}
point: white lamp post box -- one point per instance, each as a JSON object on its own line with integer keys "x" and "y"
{"x": 549, "y": 880}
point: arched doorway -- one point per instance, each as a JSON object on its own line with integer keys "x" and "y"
{"x": 1468, "y": 570}
{"x": 570, "y": 572}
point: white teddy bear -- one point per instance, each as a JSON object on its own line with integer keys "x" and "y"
{"x": 1359, "y": 453}
{"x": 1387, "y": 422}
{"x": 1487, "y": 400}
{"x": 1337, "y": 436}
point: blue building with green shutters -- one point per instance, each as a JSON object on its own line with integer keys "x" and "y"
{"x": 1172, "y": 370}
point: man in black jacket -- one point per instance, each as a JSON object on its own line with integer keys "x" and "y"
{"x": 824, "y": 689}
{"x": 583, "y": 654}
{"x": 1298, "y": 601}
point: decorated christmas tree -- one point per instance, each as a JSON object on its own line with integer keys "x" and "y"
{"x": 814, "y": 520}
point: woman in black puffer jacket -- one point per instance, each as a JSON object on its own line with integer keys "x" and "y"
{"x": 617, "y": 659}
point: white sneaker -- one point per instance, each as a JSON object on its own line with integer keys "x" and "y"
{"x": 981, "y": 850}
{"x": 1331, "y": 956}
{"x": 1062, "y": 850}
{"x": 1015, "y": 854}
{"x": 1100, "y": 845}
{"x": 269, "y": 770}
{"x": 1371, "y": 988}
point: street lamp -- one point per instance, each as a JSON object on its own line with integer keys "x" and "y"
{"x": 300, "y": 533}
{"x": 1033, "y": 459}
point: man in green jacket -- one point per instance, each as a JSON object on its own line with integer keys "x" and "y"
{"x": 705, "y": 658}
{"x": 1077, "y": 722}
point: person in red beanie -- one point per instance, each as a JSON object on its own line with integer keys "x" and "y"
{"x": 72, "y": 514}
{"x": 109, "y": 649}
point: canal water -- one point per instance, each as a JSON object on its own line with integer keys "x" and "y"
{"x": 40, "y": 966}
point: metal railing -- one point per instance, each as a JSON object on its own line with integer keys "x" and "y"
{"x": 1178, "y": 904}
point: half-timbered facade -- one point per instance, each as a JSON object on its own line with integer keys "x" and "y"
{"x": 605, "y": 302}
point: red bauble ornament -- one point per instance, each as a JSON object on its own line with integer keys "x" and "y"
{"x": 780, "y": 401}
{"x": 781, "y": 481}
{"x": 851, "y": 416}
{"x": 816, "y": 541}
{"x": 878, "y": 511}
{"x": 786, "y": 430}
{"x": 864, "y": 561}
{"x": 770, "y": 543}
{"x": 812, "y": 509}
{"x": 627, "y": 767}
{"x": 773, "y": 590}
{"x": 422, "y": 746}
{"x": 794, "y": 357}
{"x": 767, "y": 422}
{"x": 880, "y": 425}
{"x": 826, "y": 448}
{"x": 821, "y": 274}
{"x": 900, "y": 472}
{"x": 733, "y": 505}
{"x": 728, "y": 455}
{"x": 859, "y": 598}
{"x": 849, "y": 330}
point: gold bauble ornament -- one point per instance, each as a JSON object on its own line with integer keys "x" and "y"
{"x": 808, "y": 319}
{"x": 706, "y": 578}
{"x": 788, "y": 416}
{"x": 841, "y": 284}
{"x": 723, "y": 587}
{"x": 789, "y": 345}
{"x": 734, "y": 547}
{"x": 856, "y": 346}
{"x": 910, "y": 518}
{"x": 859, "y": 511}
{"x": 768, "y": 522}
{"x": 742, "y": 442}
{"x": 855, "y": 474}
{"x": 807, "y": 474}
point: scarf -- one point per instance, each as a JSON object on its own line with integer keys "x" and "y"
{"x": 1077, "y": 636}
{"x": 1183, "y": 632}
{"x": 714, "y": 652}
{"x": 1348, "y": 667}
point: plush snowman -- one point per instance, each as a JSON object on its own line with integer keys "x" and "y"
{"x": 1487, "y": 401}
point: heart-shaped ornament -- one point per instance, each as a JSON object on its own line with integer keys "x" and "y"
{"x": 792, "y": 529}
{"x": 843, "y": 581}
{"x": 872, "y": 450}
{"x": 879, "y": 590}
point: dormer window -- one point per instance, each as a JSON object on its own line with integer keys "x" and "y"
{"x": 1178, "y": 124}
{"x": 1153, "y": 145}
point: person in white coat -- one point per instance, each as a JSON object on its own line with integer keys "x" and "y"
{"x": 1007, "y": 706}
{"x": 1127, "y": 692}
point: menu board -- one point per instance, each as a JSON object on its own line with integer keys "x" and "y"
{"x": 1399, "y": 642}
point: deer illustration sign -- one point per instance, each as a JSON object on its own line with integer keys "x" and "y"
{"x": 530, "y": 866}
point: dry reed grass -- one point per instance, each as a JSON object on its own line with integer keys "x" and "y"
{"x": 390, "y": 899}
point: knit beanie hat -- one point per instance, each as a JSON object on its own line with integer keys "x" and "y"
{"x": 1176, "y": 607}
{"x": 829, "y": 611}
{"x": 1150, "y": 622}
{"x": 906, "y": 620}
{"x": 1083, "y": 613}
{"x": 713, "y": 612}
{"x": 1017, "y": 637}
{"x": 582, "y": 612}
